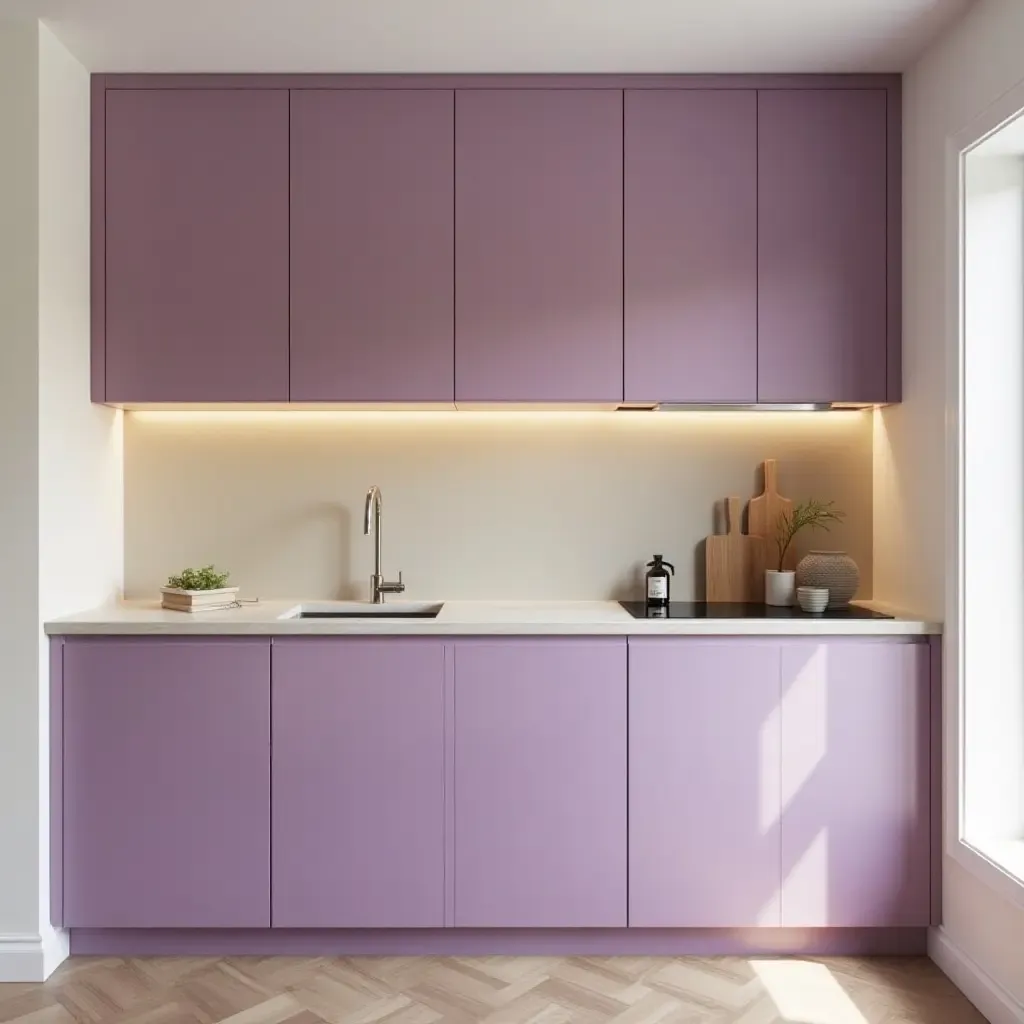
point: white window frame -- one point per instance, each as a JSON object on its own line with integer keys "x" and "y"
{"x": 1000, "y": 865}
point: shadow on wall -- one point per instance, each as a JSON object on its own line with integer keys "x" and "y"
{"x": 630, "y": 585}
{"x": 276, "y": 543}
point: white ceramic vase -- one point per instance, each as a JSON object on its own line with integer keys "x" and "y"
{"x": 779, "y": 587}
{"x": 836, "y": 571}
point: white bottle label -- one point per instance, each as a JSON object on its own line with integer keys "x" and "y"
{"x": 657, "y": 588}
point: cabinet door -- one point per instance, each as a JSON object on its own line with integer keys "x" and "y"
{"x": 538, "y": 245}
{"x": 166, "y": 783}
{"x": 822, "y": 245}
{"x": 540, "y": 784}
{"x": 358, "y": 783}
{"x": 196, "y": 221}
{"x": 691, "y": 245}
{"x": 372, "y": 245}
{"x": 703, "y": 784}
{"x": 855, "y": 784}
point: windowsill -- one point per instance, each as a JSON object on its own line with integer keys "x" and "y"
{"x": 999, "y": 863}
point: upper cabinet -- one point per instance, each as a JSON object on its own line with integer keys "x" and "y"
{"x": 538, "y": 245}
{"x": 822, "y": 309}
{"x": 460, "y": 240}
{"x": 190, "y": 267}
{"x": 372, "y": 245}
{"x": 691, "y": 245}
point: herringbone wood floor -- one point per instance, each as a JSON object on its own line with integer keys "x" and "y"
{"x": 498, "y": 990}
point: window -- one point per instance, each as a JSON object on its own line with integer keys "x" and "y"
{"x": 991, "y": 500}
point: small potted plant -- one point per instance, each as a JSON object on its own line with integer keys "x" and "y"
{"x": 780, "y": 584}
{"x": 197, "y": 590}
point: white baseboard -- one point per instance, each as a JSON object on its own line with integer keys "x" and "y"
{"x": 998, "y": 1006}
{"x": 56, "y": 945}
{"x": 22, "y": 958}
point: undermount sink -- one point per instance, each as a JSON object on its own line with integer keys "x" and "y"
{"x": 361, "y": 610}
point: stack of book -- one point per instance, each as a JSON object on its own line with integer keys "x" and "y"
{"x": 199, "y": 600}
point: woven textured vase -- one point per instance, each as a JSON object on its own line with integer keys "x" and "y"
{"x": 834, "y": 570}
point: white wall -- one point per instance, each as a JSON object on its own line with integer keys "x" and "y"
{"x": 476, "y": 505}
{"x": 80, "y": 499}
{"x": 967, "y": 70}
{"x": 19, "y": 500}
{"x": 80, "y": 444}
{"x": 61, "y": 542}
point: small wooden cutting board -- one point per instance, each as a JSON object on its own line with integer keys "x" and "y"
{"x": 763, "y": 517}
{"x": 732, "y": 560}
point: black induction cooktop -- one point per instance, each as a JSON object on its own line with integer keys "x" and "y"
{"x": 728, "y": 610}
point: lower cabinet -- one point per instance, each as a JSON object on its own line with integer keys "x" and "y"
{"x": 779, "y": 783}
{"x": 540, "y": 783}
{"x": 855, "y": 784}
{"x": 704, "y": 846}
{"x": 358, "y": 783}
{"x": 166, "y": 779}
{"x": 415, "y": 782}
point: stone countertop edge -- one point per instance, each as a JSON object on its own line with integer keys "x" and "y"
{"x": 468, "y": 618}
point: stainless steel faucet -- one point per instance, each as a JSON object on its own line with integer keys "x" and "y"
{"x": 378, "y": 586}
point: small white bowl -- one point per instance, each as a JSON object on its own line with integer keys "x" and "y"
{"x": 813, "y": 600}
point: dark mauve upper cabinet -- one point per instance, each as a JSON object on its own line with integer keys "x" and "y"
{"x": 538, "y": 245}
{"x": 195, "y": 266}
{"x": 416, "y": 241}
{"x": 691, "y": 245}
{"x": 372, "y": 245}
{"x": 822, "y": 245}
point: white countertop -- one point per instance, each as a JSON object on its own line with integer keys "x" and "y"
{"x": 466, "y": 618}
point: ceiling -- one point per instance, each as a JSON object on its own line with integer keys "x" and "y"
{"x": 493, "y": 35}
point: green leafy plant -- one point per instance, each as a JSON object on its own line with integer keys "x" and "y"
{"x": 810, "y": 514}
{"x": 207, "y": 578}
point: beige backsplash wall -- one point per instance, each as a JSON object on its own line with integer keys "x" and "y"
{"x": 476, "y": 505}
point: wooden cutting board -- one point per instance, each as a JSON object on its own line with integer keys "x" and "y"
{"x": 732, "y": 560}
{"x": 763, "y": 516}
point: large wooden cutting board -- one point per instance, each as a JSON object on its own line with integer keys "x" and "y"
{"x": 763, "y": 517}
{"x": 732, "y": 560}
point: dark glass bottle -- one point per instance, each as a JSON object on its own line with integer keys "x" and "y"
{"x": 658, "y": 585}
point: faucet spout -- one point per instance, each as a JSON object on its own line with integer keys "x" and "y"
{"x": 372, "y": 516}
{"x": 371, "y": 523}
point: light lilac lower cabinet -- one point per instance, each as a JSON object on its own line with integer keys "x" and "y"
{"x": 358, "y": 783}
{"x": 704, "y": 848}
{"x": 482, "y": 783}
{"x": 540, "y": 783}
{"x": 855, "y": 784}
{"x": 779, "y": 784}
{"x": 166, "y": 783}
